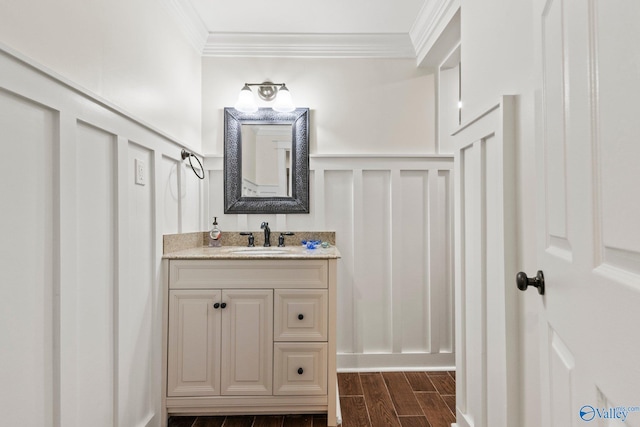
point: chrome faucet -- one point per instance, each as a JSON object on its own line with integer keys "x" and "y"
{"x": 267, "y": 234}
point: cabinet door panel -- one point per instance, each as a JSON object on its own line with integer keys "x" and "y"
{"x": 300, "y": 369}
{"x": 194, "y": 343}
{"x": 247, "y": 337}
{"x": 300, "y": 314}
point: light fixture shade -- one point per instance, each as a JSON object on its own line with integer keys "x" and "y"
{"x": 283, "y": 102}
{"x": 246, "y": 102}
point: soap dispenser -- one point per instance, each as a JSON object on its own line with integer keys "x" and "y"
{"x": 215, "y": 235}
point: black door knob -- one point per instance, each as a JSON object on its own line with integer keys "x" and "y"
{"x": 300, "y": 316}
{"x": 223, "y": 305}
{"x": 524, "y": 282}
{"x": 216, "y": 305}
{"x": 300, "y": 371}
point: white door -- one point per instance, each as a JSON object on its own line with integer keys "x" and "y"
{"x": 589, "y": 211}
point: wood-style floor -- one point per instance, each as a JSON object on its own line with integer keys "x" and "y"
{"x": 387, "y": 399}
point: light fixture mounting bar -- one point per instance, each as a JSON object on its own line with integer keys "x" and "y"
{"x": 265, "y": 84}
{"x": 267, "y": 90}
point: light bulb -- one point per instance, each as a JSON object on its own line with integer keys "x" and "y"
{"x": 246, "y": 102}
{"x": 283, "y": 102}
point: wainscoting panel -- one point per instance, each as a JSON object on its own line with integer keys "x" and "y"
{"x": 171, "y": 214}
{"x": 338, "y": 211}
{"x": 97, "y": 275}
{"x": 136, "y": 291}
{"x": 28, "y": 135}
{"x": 372, "y": 281}
{"x": 82, "y": 245}
{"x": 393, "y": 218}
{"x": 411, "y": 263}
{"x": 486, "y": 377}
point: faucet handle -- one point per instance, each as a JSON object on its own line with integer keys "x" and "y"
{"x": 281, "y": 238}
{"x": 251, "y": 239}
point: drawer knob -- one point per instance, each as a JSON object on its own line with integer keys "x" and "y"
{"x": 300, "y": 371}
{"x": 300, "y": 316}
{"x": 216, "y": 305}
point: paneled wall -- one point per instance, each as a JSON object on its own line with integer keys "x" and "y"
{"x": 393, "y": 218}
{"x": 486, "y": 318}
{"x": 81, "y": 245}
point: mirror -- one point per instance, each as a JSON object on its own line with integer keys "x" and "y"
{"x": 266, "y": 161}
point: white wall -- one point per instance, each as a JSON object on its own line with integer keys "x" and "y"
{"x": 80, "y": 296}
{"x": 358, "y": 106}
{"x": 498, "y": 59}
{"x": 497, "y": 52}
{"x": 448, "y": 107}
{"x": 130, "y": 53}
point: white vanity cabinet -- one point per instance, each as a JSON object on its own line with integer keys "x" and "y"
{"x": 249, "y": 336}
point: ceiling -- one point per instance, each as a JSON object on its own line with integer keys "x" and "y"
{"x": 306, "y": 16}
{"x": 305, "y": 28}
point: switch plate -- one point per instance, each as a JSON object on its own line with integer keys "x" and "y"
{"x": 141, "y": 172}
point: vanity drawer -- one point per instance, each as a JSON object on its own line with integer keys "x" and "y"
{"x": 244, "y": 274}
{"x": 300, "y": 369}
{"x": 300, "y": 314}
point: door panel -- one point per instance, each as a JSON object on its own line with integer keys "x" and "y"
{"x": 555, "y": 166}
{"x": 617, "y": 128}
{"x": 561, "y": 370}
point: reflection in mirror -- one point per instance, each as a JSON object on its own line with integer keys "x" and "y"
{"x": 266, "y": 160}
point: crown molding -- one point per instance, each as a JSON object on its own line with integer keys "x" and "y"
{"x": 430, "y": 24}
{"x": 323, "y": 45}
{"x": 309, "y": 45}
{"x": 188, "y": 20}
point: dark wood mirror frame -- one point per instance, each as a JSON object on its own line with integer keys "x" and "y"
{"x": 234, "y": 201}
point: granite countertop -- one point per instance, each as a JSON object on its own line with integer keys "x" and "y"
{"x": 258, "y": 252}
{"x": 194, "y": 246}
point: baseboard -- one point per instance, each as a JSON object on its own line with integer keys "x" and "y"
{"x": 352, "y": 362}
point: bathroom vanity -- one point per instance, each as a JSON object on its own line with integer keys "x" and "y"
{"x": 250, "y": 331}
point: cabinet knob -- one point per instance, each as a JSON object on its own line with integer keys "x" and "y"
{"x": 300, "y": 371}
{"x": 223, "y": 305}
{"x": 300, "y": 316}
{"x": 216, "y": 305}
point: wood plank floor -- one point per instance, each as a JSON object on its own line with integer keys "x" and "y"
{"x": 372, "y": 399}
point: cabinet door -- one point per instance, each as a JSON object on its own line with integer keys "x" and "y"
{"x": 194, "y": 343}
{"x": 300, "y": 314}
{"x": 300, "y": 369}
{"x": 247, "y": 340}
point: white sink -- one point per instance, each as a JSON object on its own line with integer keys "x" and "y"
{"x": 260, "y": 251}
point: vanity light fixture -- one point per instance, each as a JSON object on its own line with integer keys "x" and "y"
{"x": 267, "y": 91}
